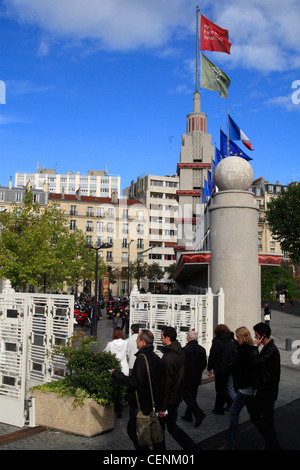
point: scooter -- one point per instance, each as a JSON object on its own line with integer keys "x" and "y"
{"x": 81, "y": 316}
{"x": 110, "y": 307}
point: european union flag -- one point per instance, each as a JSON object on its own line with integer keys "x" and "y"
{"x": 234, "y": 150}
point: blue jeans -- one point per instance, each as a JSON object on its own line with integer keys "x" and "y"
{"x": 238, "y": 404}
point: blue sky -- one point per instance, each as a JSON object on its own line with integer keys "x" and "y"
{"x": 91, "y": 83}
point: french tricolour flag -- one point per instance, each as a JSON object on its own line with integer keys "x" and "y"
{"x": 235, "y": 133}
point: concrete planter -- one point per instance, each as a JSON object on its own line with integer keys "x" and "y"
{"x": 56, "y": 412}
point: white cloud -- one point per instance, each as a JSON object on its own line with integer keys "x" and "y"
{"x": 264, "y": 33}
{"x": 118, "y": 24}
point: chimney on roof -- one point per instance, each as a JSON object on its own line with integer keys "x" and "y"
{"x": 114, "y": 197}
{"x": 77, "y": 194}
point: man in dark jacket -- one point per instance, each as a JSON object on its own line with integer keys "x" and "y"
{"x": 195, "y": 364}
{"x": 266, "y": 382}
{"x": 171, "y": 389}
{"x": 138, "y": 382}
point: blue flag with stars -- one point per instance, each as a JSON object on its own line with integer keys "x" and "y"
{"x": 234, "y": 150}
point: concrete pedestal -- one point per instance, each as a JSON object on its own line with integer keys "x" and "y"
{"x": 233, "y": 239}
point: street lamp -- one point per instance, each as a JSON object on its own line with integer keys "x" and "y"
{"x": 138, "y": 264}
{"x": 128, "y": 275}
{"x": 95, "y": 310}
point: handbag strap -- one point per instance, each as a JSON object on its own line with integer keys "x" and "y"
{"x": 150, "y": 383}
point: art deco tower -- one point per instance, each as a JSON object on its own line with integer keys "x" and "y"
{"x": 196, "y": 155}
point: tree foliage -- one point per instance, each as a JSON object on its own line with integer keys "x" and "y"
{"x": 36, "y": 247}
{"x": 283, "y": 217}
{"x": 272, "y": 277}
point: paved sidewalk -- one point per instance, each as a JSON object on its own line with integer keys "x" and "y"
{"x": 212, "y": 431}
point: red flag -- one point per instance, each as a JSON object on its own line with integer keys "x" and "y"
{"x": 213, "y": 38}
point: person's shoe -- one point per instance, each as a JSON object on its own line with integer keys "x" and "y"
{"x": 199, "y": 420}
{"x": 228, "y": 445}
{"x": 187, "y": 418}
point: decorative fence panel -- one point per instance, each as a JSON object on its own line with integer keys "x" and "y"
{"x": 30, "y": 324}
{"x": 183, "y": 312}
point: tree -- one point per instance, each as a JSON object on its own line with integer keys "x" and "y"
{"x": 36, "y": 247}
{"x": 271, "y": 277}
{"x": 171, "y": 271}
{"x": 154, "y": 272}
{"x": 283, "y": 217}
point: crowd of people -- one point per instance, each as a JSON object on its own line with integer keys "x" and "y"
{"x": 246, "y": 372}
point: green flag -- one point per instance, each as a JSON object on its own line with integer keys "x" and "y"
{"x": 213, "y": 78}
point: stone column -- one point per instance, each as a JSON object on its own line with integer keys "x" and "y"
{"x": 233, "y": 239}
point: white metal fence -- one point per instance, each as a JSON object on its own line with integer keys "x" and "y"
{"x": 30, "y": 324}
{"x": 183, "y": 312}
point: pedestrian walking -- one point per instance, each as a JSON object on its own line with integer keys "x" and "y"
{"x": 266, "y": 382}
{"x": 242, "y": 372}
{"x": 195, "y": 364}
{"x": 267, "y": 314}
{"x": 171, "y": 387}
{"x": 118, "y": 346}
{"x": 220, "y": 362}
{"x": 138, "y": 382}
{"x": 282, "y": 300}
{"x": 132, "y": 348}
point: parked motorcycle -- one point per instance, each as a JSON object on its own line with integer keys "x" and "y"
{"x": 82, "y": 315}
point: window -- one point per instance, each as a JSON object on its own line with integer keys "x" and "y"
{"x": 90, "y": 211}
{"x": 110, "y": 227}
{"x": 140, "y": 243}
{"x": 140, "y": 229}
{"x": 73, "y": 210}
{"x": 99, "y": 227}
{"x": 72, "y": 224}
{"x": 100, "y": 211}
{"x": 124, "y": 243}
{"x": 89, "y": 226}
{"x": 156, "y": 183}
{"x": 125, "y": 228}
{"x": 125, "y": 214}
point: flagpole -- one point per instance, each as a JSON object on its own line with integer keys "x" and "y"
{"x": 227, "y": 133}
{"x": 197, "y": 48}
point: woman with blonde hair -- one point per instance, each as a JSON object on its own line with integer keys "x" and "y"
{"x": 243, "y": 363}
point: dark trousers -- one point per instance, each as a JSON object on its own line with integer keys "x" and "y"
{"x": 180, "y": 436}
{"x": 262, "y": 416}
{"x": 222, "y": 396}
{"x": 190, "y": 398}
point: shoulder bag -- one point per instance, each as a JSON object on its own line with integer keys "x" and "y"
{"x": 148, "y": 427}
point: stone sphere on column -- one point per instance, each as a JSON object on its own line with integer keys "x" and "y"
{"x": 233, "y": 173}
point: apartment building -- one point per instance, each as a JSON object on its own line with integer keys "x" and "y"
{"x": 264, "y": 192}
{"x": 94, "y": 183}
{"x": 158, "y": 194}
{"x": 121, "y": 222}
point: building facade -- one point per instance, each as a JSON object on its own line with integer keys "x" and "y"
{"x": 94, "y": 183}
{"x": 123, "y": 223}
{"x": 158, "y": 194}
{"x": 264, "y": 192}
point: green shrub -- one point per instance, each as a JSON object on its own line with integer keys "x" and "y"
{"x": 88, "y": 373}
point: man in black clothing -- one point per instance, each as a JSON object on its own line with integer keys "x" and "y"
{"x": 266, "y": 382}
{"x": 195, "y": 364}
{"x": 138, "y": 382}
{"x": 171, "y": 387}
